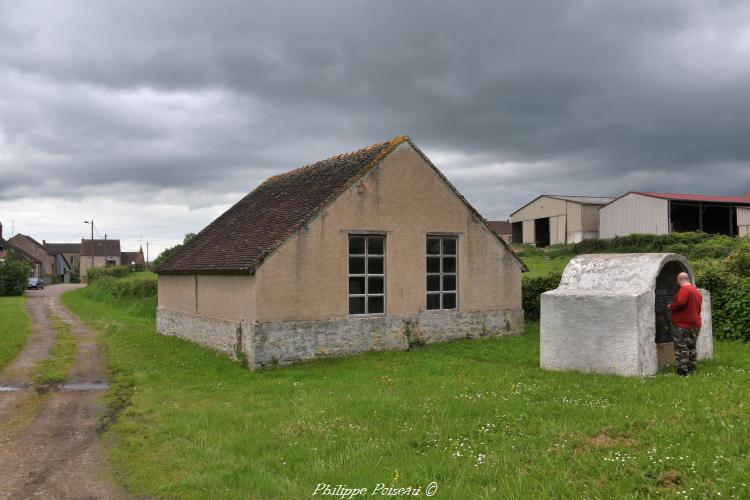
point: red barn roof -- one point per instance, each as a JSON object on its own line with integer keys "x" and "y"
{"x": 743, "y": 200}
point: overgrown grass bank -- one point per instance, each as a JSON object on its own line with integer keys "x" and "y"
{"x": 14, "y": 328}
{"x": 478, "y": 417}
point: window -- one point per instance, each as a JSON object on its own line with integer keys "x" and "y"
{"x": 442, "y": 272}
{"x": 366, "y": 274}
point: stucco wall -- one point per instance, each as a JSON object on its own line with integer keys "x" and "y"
{"x": 306, "y": 278}
{"x": 177, "y": 292}
{"x": 219, "y": 296}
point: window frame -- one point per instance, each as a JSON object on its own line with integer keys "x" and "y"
{"x": 441, "y": 273}
{"x": 366, "y": 275}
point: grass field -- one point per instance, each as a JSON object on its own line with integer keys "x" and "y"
{"x": 540, "y": 265}
{"x": 14, "y": 327}
{"x": 477, "y": 417}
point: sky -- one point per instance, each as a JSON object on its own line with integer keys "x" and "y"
{"x": 152, "y": 118}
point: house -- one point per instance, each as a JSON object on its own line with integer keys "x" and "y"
{"x": 503, "y": 228}
{"x": 98, "y": 253}
{"x": 370, "y": 250}
{"x": 66, "y": 259}
{"x": 664, "y": 213}
{"x": 132, "y": 258}
{"x": 37, "y": 252}
{"x": 33, "y": 262}
{"x": 554, "y": 219}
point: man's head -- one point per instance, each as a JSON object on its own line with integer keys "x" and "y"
{"x": 683, "y": 279}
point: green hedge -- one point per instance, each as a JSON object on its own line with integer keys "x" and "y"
{"x": 14, "y": 275}
{"x": 109, "y": 271}
{"x": 533, "y": 288}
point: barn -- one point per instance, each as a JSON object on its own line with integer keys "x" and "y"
{"x": 664, "y": 213}
{"x": 370, "y": 250}
{"x": 554, "y": 219}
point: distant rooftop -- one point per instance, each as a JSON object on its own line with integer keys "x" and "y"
{"x": 743, "y": 200}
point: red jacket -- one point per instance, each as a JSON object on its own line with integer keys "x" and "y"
{"x": 686, "y": 308}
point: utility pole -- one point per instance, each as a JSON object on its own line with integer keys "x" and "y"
{"x": 106, "y": 257}
{"x": 147, "y": 252}
{"x": 92, "y": 243}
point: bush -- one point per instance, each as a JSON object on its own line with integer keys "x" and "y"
{"x": 110, "y": 271}
{"x": 135, "y": 293}
{"x": 731, "y": 320}
{"x": 533, "y": 288}
{"x": 14, "y": 275}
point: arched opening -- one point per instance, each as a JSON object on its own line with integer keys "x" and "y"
{"x": 666, "y": 287}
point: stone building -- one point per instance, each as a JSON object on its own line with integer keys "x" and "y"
{"x": 610, "y": 315}
{"x": 370, "y": 250}
{"x": 44, "y": 262}
{"x": 98, "y": 253}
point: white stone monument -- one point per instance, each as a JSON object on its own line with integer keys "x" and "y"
{"x": 610, "y": 315}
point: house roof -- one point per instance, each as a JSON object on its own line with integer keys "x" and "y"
{"x": 501, "y": 226}
{"x": 6, "y": 245}
{"x": 128, "y": 257}
{"x": 19, "y": 235}
{"x": 242, "y": 238}
{"x": 102, "y": 248}
{"x": 53, "y": 248}
{"x": 736, "y": 200}
{"x": 583, "y": 200}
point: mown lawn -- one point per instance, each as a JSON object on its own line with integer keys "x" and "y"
{"x": 478, "y": 417}
{"x": 14, "y": 328}
{"x": 539, "y": 265}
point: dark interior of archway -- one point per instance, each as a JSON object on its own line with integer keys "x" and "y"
{"x": 666, "y": 287}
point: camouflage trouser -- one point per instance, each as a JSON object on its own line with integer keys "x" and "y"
{"x": 685, "y": 352}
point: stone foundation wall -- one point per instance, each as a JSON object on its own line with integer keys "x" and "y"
{"x": 279, "y": 343}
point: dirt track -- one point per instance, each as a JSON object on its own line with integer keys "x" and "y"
{"x": 49, "y": 447}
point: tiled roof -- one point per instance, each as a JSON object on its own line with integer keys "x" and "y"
{"x": 127, "y": 258}
{"x": 241, "y": 238}
{"x": 501, "y": 226}
{"x": 112, "y": 248}
{"x": 6, "y": 245}
{"x": 53, "y": 248}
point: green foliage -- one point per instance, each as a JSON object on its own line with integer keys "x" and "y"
{"x": 14, "y": 275}
{"x": 135, "y": 292}
{"x": 97, "y": 273}
{"x": 732, "y": 318}
{"x": 533, "y": 288}
{"x": 166, "y": 254}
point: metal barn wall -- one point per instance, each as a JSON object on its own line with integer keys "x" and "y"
{"x": 743, "y": 221}
{"x": 634, "y": 213}
{"x": 528, "y": 232}
{"x": 539, "y": 209}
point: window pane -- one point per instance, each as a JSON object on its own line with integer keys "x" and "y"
{"x": 449, "y": 264}
{"x": 356, "y": 265}
{"x": 449, "y": 282}
{"x": 433, "y": 264}
{"x": 356, "y": 245}
{"x": 375, "y": 245}
{"x": 375, "y": 285}
{"x": 375, "y": 265}
{"x": 433, "y": 283}
{"x": 433, "y": 301}
{"x": 449, "y": 246}
{"x": 375, "y": 305}
{"x": 356, "y": 305}
{"x": 449, "y": 301}
{"x": 433, "y": 246}
{"x": 356, "y": 286}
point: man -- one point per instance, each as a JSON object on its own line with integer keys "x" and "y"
{"x": 686, "y": 318}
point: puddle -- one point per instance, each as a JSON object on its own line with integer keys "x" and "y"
{"x": 84, "y": 386}
{"x": 9, "y": 388}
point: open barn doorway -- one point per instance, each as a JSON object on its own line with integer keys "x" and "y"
{"x": 666, "y": 288}
{"x": 541, "y": 232}
{"x": 690, "y": 216}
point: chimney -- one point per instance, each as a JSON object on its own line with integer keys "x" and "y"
{"x": 44, "y": 243}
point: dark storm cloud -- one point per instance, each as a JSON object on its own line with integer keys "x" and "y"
{"x": 510, "y": 98}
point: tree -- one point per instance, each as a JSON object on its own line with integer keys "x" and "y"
{"x": 171, "y": 250}
{"x": 14, "y": 275}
